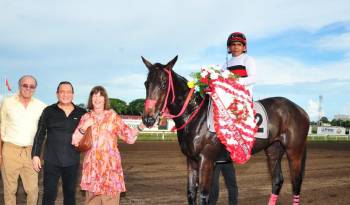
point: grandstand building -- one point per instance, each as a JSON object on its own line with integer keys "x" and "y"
{"x": 342, "y": 117}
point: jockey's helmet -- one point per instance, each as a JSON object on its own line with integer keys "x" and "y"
{"x": 236, "y": 37}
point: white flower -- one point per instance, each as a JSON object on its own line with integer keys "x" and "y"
{"x": 214, "y": 75}
{"x": 231, "y": 141}
{"x": 226, "y": 74}
{"x": 211, "y": 71}
{"x": 239, "y": 106}
{"x": 196, "y": 88}
{"x": 217, "y": 67}
{"x": 204, "y": 74}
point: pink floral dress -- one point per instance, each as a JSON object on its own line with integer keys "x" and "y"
{"x": 102, "y": 170}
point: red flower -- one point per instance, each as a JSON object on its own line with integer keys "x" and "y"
{"x": 204, "y": 80}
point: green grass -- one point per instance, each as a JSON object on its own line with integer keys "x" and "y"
{"x": 144, "y": 136}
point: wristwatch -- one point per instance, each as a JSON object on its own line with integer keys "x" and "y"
{"x": 138, "y": 127}
{"x": 81, "y": 131}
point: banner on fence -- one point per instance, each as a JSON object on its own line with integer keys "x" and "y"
{"x": 330, "y": 130}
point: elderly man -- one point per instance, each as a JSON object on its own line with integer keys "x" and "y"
{"x": 19, "y": 116}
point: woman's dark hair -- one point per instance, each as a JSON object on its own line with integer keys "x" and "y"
{"x": 64, "y": 83}
{"x": 103, "y": 92}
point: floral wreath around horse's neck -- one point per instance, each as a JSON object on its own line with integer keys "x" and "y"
{"x": 200, "y": 80}
{"x": 234, "y": 115}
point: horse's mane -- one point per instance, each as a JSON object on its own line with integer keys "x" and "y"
{"x": 179, "y": 79}
{"x": 160, "y": 66}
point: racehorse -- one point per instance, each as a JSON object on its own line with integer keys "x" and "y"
{"x": 288, "y": 128}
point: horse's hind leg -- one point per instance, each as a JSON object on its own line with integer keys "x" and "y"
{"x": 274, "y": 155}
{"x": 296, "y": 159}
{"x": 192, "y": 183}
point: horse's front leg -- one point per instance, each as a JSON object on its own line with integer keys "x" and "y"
{"x": 205, "y": 179}
{"x": 192, "y": 183}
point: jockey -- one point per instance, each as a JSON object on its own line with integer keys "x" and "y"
{"x": 244, "y": 66}
{"x": 241, "y": 63}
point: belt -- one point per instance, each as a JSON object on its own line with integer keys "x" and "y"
{"x": 223, "y": 162}
{"x": 17, "y": 146}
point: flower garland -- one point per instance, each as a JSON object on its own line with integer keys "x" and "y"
{"x": 234, "y": 120}
{"x": 201, "y": 79}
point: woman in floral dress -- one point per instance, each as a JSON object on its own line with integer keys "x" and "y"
{"x": 102, "y": 174}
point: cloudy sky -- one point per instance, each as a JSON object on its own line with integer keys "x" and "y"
{"x": 302, "y": 48}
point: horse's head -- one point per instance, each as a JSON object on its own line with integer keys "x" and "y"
{"x": 157, "y": 84}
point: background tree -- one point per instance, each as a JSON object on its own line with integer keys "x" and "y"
{"x": 119, "y": 106}
{"x": 313, "y": 123}
{"x": 82, "y": 105}
{"x": 342, "y": 123}
{"x": 136, "y": 107}
{"x": 346, "y": 123}
{"x": 324, "y": 119}
{"x": 335, "y": 122}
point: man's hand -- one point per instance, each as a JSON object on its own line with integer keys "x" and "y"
{"x": 36, "y": 163}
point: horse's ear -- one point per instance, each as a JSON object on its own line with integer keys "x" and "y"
{"x": 147, "y": 63}
{"x": 171, "y": 63}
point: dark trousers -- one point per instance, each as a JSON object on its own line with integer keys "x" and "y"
{"x": 228, "y": 171}
{"x": 52, "y": 174}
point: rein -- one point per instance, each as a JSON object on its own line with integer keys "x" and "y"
{"x": 151, "y": 103}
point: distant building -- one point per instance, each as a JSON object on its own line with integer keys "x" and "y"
{"x": 342, "y": 117}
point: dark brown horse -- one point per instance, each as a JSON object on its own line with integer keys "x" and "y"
{"x": 288, "y": 126}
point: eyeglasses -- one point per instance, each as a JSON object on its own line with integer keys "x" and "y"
{"x": 27, "y": 86}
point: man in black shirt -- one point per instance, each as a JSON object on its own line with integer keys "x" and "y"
{"x": 58, "y": 122}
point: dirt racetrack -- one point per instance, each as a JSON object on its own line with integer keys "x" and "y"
{"x": 156, "y": 174}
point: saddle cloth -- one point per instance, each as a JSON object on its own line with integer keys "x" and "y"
{"x": 261, "y": 121}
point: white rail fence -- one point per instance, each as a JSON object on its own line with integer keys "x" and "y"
{"x": 315, "y": 137}
{"x": 311, "y": 137}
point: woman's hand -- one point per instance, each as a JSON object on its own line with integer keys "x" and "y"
{"x": 89, "y": 122}
{"x": 76, "y": 139}
{"x": 141, "y": 126}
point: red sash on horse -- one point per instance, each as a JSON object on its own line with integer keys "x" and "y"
{"x": 234, "y": 120}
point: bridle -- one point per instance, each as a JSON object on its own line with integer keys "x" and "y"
{"x": 149, "y": 103}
